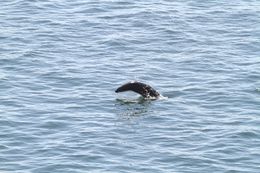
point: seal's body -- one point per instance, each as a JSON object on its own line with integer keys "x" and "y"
{"x": 143, "y": 89}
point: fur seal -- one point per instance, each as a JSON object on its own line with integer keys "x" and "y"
{"x": 143, "y": 89}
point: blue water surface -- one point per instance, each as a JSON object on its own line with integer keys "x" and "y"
{"x": 60, "y": 62}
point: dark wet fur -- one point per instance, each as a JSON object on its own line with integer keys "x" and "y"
{"x": 143, "y": 89}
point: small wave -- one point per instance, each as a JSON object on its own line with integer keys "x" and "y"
{"x": 161, "y": 97}
{"x": 130, "y": 98}
{"x": 129, "y": 101}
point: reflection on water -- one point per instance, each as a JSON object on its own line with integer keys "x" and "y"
{"x": 131, "y": 109}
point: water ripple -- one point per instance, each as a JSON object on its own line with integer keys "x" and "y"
{"x": 61, "y": 62}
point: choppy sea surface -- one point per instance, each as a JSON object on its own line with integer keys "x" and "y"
{"x": 61, "y": 61}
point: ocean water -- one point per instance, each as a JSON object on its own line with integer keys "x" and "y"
{"x": 60, "y": 62}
